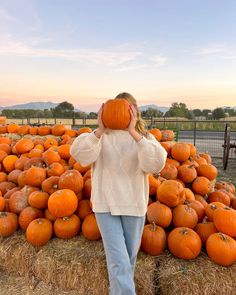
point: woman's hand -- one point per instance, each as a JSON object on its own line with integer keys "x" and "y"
{"x": 98, "y": 132}
{"x": 134, "y": 113}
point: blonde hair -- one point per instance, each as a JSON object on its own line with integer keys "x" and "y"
{"x": 140, "y": 124}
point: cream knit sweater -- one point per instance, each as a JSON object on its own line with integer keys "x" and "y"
{"x": 119, "y": 169}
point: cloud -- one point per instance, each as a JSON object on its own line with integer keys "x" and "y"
{"x": 159, "y": 60}
{"x": 11, "y": 47}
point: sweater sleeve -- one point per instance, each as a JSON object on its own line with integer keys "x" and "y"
{"x": 151, "y": 155}
{"x": 86, "y": 148}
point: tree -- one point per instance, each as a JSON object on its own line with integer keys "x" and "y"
{"x": 178, "y": 110}
{"x": 152, "y": 112}
{"x": 63, "y": 110}
{"x": 197, "y": 112}
{"x": 218, "y": 113}
{"x": 206, "y": 112}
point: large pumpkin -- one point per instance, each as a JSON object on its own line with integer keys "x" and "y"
{"x": 71, "y": 179}
{"x": 39, "y": 231}
{"x": 67, "y": 227}
{"x": 225, "y": 220}
{"x": 184, "y": 243}
{"x": 221, "y": 249}
{"x": 160, "y": 214}
{"x": 116, "y": 114}
{"x": 153, "y": 239}
{"x": 62, "y": 203}
{"x": 170, "y": 192}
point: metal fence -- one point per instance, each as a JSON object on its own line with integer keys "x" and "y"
{"x": 207, "y": 135}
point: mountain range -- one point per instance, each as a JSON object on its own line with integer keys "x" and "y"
{"x": 48, "y": 105}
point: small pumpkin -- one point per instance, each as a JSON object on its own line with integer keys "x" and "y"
{"x": 67, "y": 227}
{"x": 90, "y": 229}
{"x": 39, "y": 231}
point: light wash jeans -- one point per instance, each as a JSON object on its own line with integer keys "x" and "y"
{"x": 121, "y": 237}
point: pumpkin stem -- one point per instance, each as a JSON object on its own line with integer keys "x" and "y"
{"x": 66, "y": 218}
{"x": 153, "y": 226}
{"x": 184, "y": 231}
{"x": 223, "y": 236}
{"x": 40, "y": 221}
{"x": 3, "y": 214}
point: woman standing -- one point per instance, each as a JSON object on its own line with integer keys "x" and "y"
{"x": 120, "y": 162}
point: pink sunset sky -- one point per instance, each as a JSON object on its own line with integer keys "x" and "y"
{"x": 82, "y": 52}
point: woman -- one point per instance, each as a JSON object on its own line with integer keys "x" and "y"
{"x": 121, "y": 161}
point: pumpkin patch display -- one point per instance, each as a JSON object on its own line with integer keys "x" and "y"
{"x": 116, "y": 114}
{"x": 44, "y": 191}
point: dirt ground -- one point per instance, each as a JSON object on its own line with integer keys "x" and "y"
{"x": 230, "y": 173}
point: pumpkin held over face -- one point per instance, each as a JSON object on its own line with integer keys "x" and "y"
{"x": 116, "y": 114}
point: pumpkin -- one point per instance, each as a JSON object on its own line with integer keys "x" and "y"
{"x": 50, "y": 142}
{"x": 50, "y": 156}
{"x": 62, "y": 203}
{"x": 58, "y": 129}
{"x": 33, "y": 130}
{"x": 170, "y": 192}
{"x": 24, "y": 129}
{"x": 201, "y": 199}
{"x": 116, "y": 114}
{"x": 211, "y": 208}
{"x": 189, "y": 195}
{"x": 204, "y": 230}
{"x": 207, "y": 157}
{"x": 3, "y": 155}
{"x": 169, "y": 172}
{"x": 24, "y": 145}
{"x": 173, "y": 162}
{"x": 83, "y": 209}
{"x": 225, "y": 221}
{"x": 207, "y": 170}
{"x": 84, "y": 130}
{"x": 18, "y": 201}
{"x": 160, "y": 214}
{"x": 219, "y": 196}
{"x": 200, "y": 160}
{"x": 153, "y": 184}
{"x": 193, "y": 150}
{"x": 20, "y": 162}
{"x": 12, "y": 128}
{"x": 13, "y": 176}
{"x": 3, "y": 177}
{"x": 87, "y": 188}
{"x": 201, "y": 185}
{"x": 50, "y": 185}
{"x": 80, "y": 168}
{"x": 49, "y": 216}
{"x": 35, "y": 153}
{"x": 198, "y": 207}
{"x": 2, "y": 203}
{"x": 180, "y": 151}
{"x": 153, "y": 239}
{"x": 184, "y": 243}
{"x": 71, "y": 133}
{"x": 167, "y": 135}
{"x": 35, "y": 176}
{"x": 8, "y": 223}
{"x": 5, "y": 147}
{"x": 9, "y": 162}
{"x": 38, "y": 199}
{"x": 64, "y": 151}
{"x": 187, "y": 173}
{"x": 221, "y": 248}
{"x": 6, "y": 186}
{"x": 90, "y": 228}
{"x": 71, "y": 179}
{"x": 184, "y": 216}
{"x": 39, "y": 231}
{"x": 27, "y": 215}
{"x": 157, "y": 133}
{"x": 44, "y": 130}
{"x": 229, "y": 187}
{"x": 67, "y": 227}
{"x": 55, "y": 169}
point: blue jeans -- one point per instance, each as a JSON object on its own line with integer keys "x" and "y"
{"x": 121, "y": 237}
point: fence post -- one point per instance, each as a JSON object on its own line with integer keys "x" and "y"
{"x": 194, "y": 133}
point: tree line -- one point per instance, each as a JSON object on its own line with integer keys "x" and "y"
{"x": 67, "y": 110}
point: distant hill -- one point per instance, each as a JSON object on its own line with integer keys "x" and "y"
{"x": 32, "y": 106}
{"x": 153, "y": 106}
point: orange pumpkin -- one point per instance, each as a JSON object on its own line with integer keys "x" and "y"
{"x": 62, "y": 203}
{"x": 90, "y": 228}
{"x": 71, "y": 179}
{"x": 39, "y": 232}
{"x": 153, "y": 239}
{"x": 67, "y": 227}
{"x": 58, "y": 129}
{"x": 157, "y": 133}
{"x": 170, "y": 192}
{"x": 184, "y": 243}
{"x": 180, "y": 151}
{"x": 160, "y": 214}
{"x": 116, "y": 114}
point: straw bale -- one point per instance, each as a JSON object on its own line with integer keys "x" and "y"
{"x": 16, "y": 254}
{"x": 200, "y": 276}
{"x": 74, "y": 264}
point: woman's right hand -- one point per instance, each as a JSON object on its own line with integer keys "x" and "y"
{"x": 101, "y": 127}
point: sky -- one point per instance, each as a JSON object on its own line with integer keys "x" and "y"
{"x": 85, "y": 52}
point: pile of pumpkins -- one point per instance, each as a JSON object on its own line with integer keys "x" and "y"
{"x": 45, "y": 192}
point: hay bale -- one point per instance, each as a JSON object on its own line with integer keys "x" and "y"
{"x": 200, "y": 276}
{"x": 74, "y": 264}
{"x": 12, "y": 284}
{"x": 16, "y": 254}
{"x": 80, "y": 264}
